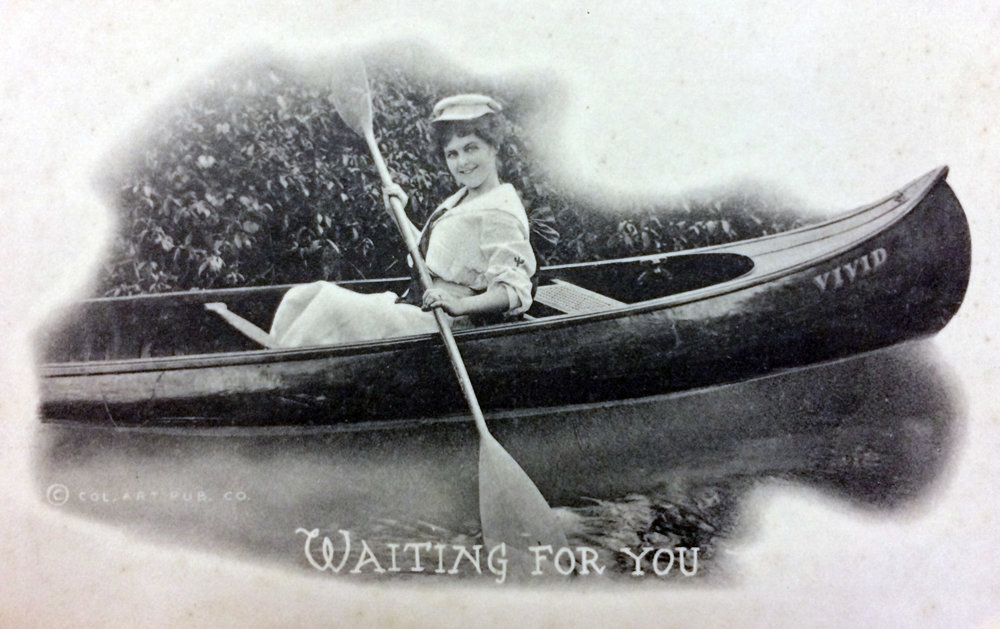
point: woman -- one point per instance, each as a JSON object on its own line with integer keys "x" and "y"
{"x": 476, "y": 245}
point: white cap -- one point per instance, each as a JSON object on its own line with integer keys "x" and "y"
{"x": 464, "y": 107}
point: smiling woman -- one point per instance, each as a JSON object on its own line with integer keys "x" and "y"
{"x": 476, "y": 246}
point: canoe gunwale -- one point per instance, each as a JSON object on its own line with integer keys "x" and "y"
{"x": 658, "y": 304}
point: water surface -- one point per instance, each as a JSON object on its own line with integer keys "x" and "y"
{"x": 667, "y": 472}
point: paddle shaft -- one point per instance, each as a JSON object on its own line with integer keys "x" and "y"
{"x": 424, "y": 275}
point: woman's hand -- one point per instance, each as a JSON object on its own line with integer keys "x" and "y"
{"x": 438, "y": 298}
{"x": 394, "y": 191}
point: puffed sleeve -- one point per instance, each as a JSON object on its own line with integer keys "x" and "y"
{"x": 510, "y": 262}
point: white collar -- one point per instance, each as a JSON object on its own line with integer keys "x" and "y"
{"x": 503, "y": 197}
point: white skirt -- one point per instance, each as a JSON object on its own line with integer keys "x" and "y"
{"x": 323, "y": 313}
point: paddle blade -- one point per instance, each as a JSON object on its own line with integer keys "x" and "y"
{"x": 511, "y": 508}
{"x": 350, "y": 95}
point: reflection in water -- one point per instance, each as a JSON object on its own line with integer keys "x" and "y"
{"x": 663, "y": 472}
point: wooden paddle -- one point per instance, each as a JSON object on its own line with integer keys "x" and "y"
{"x": 511, "y": 508}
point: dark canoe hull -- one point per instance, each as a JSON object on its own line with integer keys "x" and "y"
{"x": 877, "y": 276}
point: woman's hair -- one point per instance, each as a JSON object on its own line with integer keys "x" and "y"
{"x": 491, "y": 128}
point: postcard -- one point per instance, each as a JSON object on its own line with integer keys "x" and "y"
{"x": 378, "y": 315}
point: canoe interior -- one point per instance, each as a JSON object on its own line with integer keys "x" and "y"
{"x": 176, "y": 324}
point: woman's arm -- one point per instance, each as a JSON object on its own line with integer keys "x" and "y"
{"x": 510, "y": 260}
{"x": 495, "y": 299}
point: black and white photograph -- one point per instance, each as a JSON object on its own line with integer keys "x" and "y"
{"x": 644, "y": 315}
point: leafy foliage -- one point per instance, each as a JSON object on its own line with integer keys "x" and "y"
{"x": 254, "y": 179}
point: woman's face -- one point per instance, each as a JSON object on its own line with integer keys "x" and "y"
{"x": 471, "y": 160}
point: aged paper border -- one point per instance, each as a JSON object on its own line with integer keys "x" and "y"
{"x": 838, "y": 103}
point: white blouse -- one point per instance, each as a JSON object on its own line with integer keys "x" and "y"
{"x": 483, "y": 242}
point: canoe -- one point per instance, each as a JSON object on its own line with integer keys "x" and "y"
{"x": 878, "y": 275}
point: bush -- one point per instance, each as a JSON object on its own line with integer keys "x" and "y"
{"x": 254, "y": 179}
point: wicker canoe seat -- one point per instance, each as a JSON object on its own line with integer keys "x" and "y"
{"x": 570, "y": 298}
